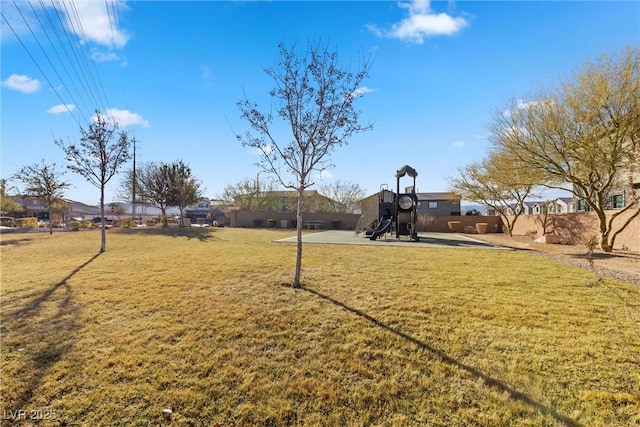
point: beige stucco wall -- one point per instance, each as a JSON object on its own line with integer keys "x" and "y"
{"x": 574, "y": 227}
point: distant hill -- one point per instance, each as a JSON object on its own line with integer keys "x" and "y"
{"x": 140, "y": 209}
{"x": 79, "y": 209}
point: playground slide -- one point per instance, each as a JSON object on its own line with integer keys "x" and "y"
{"x": 382, "y": 228}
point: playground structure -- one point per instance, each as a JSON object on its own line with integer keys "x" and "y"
{"x": 397, "y": 211}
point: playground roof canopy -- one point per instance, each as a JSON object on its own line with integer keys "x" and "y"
{"x": 406, "y": 170}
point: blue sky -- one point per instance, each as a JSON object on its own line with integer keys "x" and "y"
{"x": 171, "y": 74}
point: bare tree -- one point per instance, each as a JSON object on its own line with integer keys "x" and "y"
{"x": 100, "y": 155}
{"x": 184, "y": 188}
{"x": 250, "y": 194}
{"x": 43, "y": 182}
{"x": 314, "y": 96}
{"x": 346, "y": 195}
{"x": 496, "y": 182}
{"x": 585, "y": 133}
{"x": 152, "y": 186}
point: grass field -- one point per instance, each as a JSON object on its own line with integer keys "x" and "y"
{"x": 201, "y": 327}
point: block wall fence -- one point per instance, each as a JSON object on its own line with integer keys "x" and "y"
{"x": 571, "y": 227}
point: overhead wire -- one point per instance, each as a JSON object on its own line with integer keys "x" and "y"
{"x": 73, "y": 18}
{"x": 81, "y": 74}
{"x": 90, "y": 56}
{"x": 33, "y": 59}
{"x": 62, "y": 62}
{"x": 82, "y": 83}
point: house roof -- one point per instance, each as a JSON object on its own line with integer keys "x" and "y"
{"x": 566, "y": 200}
{"x": 439, "y": 196}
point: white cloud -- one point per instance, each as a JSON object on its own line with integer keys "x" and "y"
{"x": 459, "y": 144}
{"x": 21, "y": 83}
{"x": 98, "y": 21}
{"x": 422, "y": 23}
{"x": 125, "y": 118}
{"x": 361, "y": 91}
{"x": 525, "y": 105}
{"x": 98, "y": 56}
{"x": 324, "y": 174}
{"x": 61, "y": 108}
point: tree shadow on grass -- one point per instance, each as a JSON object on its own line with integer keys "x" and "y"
{"x": 203, "y": 234}
{"x": 15, "y": 242}
{"x": 38, "y": 335}
{"x": 488, "y": 380}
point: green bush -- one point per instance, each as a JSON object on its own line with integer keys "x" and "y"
{"x": 87, "y": 224}
{"x": 27, "y": 222}
{"x": 73, "y": 225}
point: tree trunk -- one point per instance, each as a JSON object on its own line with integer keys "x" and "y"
{"x": 50, "y": 220}
{"x": 604, "y": 242}
{"x": 296, "y": 276}
{"x": 103, "y": 227}
{"x": 605, "y": 245}
{"x": 164, "y": 217}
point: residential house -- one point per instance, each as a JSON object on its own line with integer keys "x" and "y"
{"x": 286, "y": 201}
{"x": 207, "y": 211}
{"x": 621, "y": 193}
{"x": 562, "y": 205}
{"x": 33, "y": 207}
{"x": 437, "y": 204}
{"x": 432, "y": 204}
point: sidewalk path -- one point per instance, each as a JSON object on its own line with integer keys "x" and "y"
{"x": 449, "y": 240}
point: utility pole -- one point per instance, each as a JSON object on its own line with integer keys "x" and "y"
{"x": 133, "y": 186}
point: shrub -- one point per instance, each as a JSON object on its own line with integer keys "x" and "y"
{"x": 87, "y": 224}
{"x": 27, "y": 222}
{"x": 7, "y": 221}
{"x": 591, "y": 241}
{"x": 424, "y": 221}
{"x": 73, "y": 225}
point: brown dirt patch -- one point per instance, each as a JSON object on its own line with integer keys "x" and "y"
{"x": 626, "y": 263}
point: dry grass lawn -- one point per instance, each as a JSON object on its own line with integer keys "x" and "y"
{"x": 200, "y": 327}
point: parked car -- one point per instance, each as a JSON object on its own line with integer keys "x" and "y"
{"x": 98, "y": 220}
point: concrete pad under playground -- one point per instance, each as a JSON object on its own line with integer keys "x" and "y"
{"x": 442, "y": 240}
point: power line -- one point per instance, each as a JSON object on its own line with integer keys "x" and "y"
{"x": 80, "y": 32}
{"x": 83, "y": 79}
{"x": 38, "y": 65}
{"x": 64, "y": 67}
{"x": 89, "y": 89}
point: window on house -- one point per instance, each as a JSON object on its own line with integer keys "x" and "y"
{"x": 618, "y": 201}
{"x": 582, "y": 206}
{"x": 432, "y": 205}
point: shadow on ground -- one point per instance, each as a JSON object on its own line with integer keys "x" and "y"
{"x": 488, "y": 380}
{"x": 15, "y": 242}
{"x": 36, "y": 336}
{"x": 203, "y": 234}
